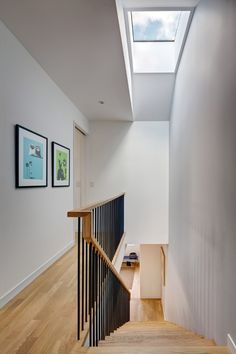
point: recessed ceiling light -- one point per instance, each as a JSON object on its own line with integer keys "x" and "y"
{"x": 101, "y": 102}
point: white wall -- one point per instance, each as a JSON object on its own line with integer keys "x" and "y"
{"x": 153, "y": 96}
{"x": 132, "y": 158}
{"x": 150, "y": 271}
{"x": 201, "y": 292}
{"x": 33, "y": 223}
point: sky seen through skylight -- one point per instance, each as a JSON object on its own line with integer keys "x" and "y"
{"x": 155, "y": 25}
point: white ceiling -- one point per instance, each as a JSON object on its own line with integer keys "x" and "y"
{"x": 78, "y": 44}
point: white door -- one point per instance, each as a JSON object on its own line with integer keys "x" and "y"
{"x": 79, "y": 170}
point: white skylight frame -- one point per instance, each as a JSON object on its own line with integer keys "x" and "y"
{"x": 169, "y": 58}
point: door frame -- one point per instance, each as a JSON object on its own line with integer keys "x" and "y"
{"x": 76, "y": 128}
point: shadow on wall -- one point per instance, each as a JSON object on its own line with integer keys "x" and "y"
{"x": 132, "y": 158}
{"x": 110, "y": 148}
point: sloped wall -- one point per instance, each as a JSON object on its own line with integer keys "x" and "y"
{"x": 201, "y": 291}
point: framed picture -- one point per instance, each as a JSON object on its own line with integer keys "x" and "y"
{"x": 31, "y": 158}
{"x": 60, "y": 165}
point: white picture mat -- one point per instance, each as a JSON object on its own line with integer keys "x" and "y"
{"x": 31, "y": 182}
{"x": 67, "y": 151}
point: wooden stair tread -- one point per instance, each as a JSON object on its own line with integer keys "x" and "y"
{"x": 154, "y": 334}
{"x": 154, "y": 331}
{"x": 149, "y": 323}
{"x": 158, "y": 350}
{"x": 159, "y": 337}
{"x": 158, "y": 342}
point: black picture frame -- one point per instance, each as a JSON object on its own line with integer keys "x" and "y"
{"x": 31, "y": 158}
{"x": 60, "y": 165}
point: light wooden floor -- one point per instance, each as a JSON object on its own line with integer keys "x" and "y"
{"x": 42, "y": 318}
{"x": 140, "y": 310}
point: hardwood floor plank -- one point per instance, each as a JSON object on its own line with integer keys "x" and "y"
{"x": 42, "y": 318}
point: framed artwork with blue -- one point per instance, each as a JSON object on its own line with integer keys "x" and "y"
{"x": 60, "y": 165}
{"x": 31, "y": 158}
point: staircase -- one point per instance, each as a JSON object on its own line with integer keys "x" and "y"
{"x": 152, "y": 337}
{"x": 103, "y": 312}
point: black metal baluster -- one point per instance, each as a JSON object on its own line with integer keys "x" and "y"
{"x": 103, "y": 300}
{"x": 82, "y": 304}
{"x": 86, "y": 281}
{"x": 102, "y": 227}
{"x": 107, "y": 302}
{"x": 96, "y": 223}
{"x": 90, "y": 293}
{"x": 113, "y": 303}
{"x": 97, "y": 304}
{"x": 113, "y": 241}
{"x": 78, "y": 284}
{"x": 109, "y": 226}
{"x": 100, "y": 325}
{"x": 98, "y": 237}
{"x": 94, "y": 314}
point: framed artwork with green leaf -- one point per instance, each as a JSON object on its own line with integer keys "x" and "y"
{"x": 60, "y": 165}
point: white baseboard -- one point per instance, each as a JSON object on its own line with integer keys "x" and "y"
{"x": 231, "y": 344}
{"x": 20, "y": 286}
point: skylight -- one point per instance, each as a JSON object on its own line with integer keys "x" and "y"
{"x": 157, "y": 39}
{"x": 151, "y": 26}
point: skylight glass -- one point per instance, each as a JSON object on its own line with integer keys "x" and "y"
{"x": 155, "y": 26}
{"x": 157, "y": 39}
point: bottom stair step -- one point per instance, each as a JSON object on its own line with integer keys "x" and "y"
{"x": 156, "y": 341}
{"x": 157, "y": 350}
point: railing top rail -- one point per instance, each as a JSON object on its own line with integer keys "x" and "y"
{"x": 87, "y": 210}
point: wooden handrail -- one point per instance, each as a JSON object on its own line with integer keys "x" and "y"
{"x": 87, "y": 209}
{"x": 108, "y": 262}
